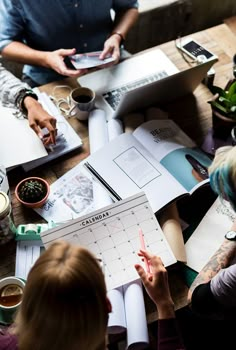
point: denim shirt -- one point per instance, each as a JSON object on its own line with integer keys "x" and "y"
{"x": 48, "y": 25}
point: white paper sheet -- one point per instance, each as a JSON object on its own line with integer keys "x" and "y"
{"x": 137, "y": 332}
{"x": 67, "y": 139}
{"x": 18, "y": 142}
{"x": 209, "y": 234}
{"x": 97, "y": 127}
{"x": 117, "y": 318}
{"x": 99, "y": 135}
{"x": 111, "y": 233}
{"x": 115, "y": 128}
{"x": 27, "y": 252}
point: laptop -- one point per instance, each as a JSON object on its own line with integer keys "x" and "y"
{"x": 142, "y": 81}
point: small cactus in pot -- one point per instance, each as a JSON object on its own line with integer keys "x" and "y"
{"x": 32, "y": 192}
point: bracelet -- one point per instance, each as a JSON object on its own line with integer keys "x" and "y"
{"x": 20, "y": 100}
{"x": 120, "y": 35}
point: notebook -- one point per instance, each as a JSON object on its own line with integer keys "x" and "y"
{"x": 141, "y": 81}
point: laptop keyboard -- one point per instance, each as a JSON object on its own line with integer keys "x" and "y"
{"x": 113, "y": 97}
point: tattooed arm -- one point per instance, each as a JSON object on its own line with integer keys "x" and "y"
{"x": 221, "y": 259}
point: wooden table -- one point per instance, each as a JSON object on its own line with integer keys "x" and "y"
{"x": 192, "y": 113}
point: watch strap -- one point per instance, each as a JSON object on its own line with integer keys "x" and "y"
{"x": 20, "y": 100}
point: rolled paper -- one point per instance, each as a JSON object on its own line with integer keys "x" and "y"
{"x": 170, "y": 224}
{"x": 132, "y": 121}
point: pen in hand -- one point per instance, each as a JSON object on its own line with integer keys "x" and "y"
{"x": 143, "y": 247}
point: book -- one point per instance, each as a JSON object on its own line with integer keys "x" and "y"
{"x": 157, "y": 158}
{"x": 67, "y": 139}
{"x": 209, "y": 234}
{"x": 21, "y": 144}
{"x": 112, "y": 234}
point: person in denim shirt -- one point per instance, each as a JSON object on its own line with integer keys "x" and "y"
{"x": 41, "y": 34}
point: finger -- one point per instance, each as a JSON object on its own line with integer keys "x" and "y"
{"x": 105, "y": 52}
{"x": 67, "y": 52}
{"x": 73, "y": 73}
{"x": 146, "y": 254}
{"x": 141, "y": 272}
{"x": 37, "y": 130}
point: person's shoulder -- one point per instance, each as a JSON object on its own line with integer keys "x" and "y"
{"x": 8, "y": 341}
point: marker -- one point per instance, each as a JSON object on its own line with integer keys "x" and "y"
{"x": 143, "y": 247}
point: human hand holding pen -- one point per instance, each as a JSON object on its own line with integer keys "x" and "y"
{"x": 156, "y": 284}
{"x": 143, "y": 247}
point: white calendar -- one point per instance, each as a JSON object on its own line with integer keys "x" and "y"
{"x": 112, "y": 234}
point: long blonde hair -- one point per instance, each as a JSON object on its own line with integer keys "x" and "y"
{"x": 64, "y": 304}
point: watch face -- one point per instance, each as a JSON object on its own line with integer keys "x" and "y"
{"x": 231, "y": 235}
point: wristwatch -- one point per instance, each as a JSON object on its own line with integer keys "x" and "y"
{"x": 231, "y": 235}
{"x": 20, "y": 100}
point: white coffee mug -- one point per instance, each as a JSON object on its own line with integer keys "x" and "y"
{"x": 11, "y": 293}
{"x": 82, "y": 101}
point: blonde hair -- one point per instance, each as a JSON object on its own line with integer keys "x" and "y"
{"x": 64, "y": 304}
{"x": 222, "y": 174}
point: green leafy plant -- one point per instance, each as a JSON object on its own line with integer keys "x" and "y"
{"x": 224, "y": 100}
{"x": 32, "y": 191}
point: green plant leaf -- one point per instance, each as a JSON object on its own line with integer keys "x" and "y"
{"x": 233, "y": 99}
{"x": 232, "y": 89}
{"x": 218, "y": 106}
{"x": 217, "y": 90}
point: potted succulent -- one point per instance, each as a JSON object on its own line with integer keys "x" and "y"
{"x": 223, "y": 107}
{"x": 32, "y": 192}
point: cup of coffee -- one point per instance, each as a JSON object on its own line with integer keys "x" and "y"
{"x": 82, "y": 101}
{"x": 11, "y": 293}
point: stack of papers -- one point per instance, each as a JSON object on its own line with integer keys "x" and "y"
{"x": 20, "y": 145}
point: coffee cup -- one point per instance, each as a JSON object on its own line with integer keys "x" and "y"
{"x": 82, "y": 101}
{"x": 11, "y": 293}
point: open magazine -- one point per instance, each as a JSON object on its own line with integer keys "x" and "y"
{"x": 157, "y": 158}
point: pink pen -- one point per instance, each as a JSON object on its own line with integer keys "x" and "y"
{"x": 143, "y": 247}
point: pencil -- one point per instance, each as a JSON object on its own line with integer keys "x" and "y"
{"x": 143, "y": 247}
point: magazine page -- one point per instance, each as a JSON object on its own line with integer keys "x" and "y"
{"x": 125, "y": 168}
{"x": 70, "y": 196}
{"x": 67, "y": 139}
{"x": 175, "y": 151}
{"x": 18, "y": 142}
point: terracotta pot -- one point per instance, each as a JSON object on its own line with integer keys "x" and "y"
{"x": 222, "y": 125}
{"x": 35, "y": 204}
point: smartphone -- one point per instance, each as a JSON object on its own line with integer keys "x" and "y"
{"x": 193, "y": 49}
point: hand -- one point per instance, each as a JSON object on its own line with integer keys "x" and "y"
{"x": 111, "y": 47}
{"x": 156, "y": 284}
{"x": 38, "y": 119}
{"x": 55, "y": 61}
